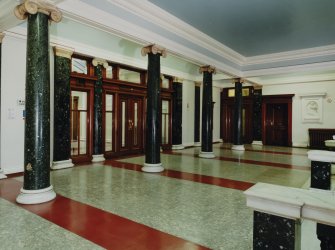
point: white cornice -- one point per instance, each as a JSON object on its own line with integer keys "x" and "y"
{"x": 291, "y": 55}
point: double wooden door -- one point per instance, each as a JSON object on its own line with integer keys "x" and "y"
{"x": 130, "y": 124}
{"x": 276, "y": 124}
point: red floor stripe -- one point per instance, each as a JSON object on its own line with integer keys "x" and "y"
{"x": 268, "y": 151}
{"x": 103, "y": 228}
{"x": 222, "y": 182}
{"x": 262, "y": 163}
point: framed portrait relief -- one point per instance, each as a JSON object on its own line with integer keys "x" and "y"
{"x": 312, "y": 108}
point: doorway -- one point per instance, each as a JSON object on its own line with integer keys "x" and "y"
{"x": 130, "y": 125}
{"x": 80, "y": 124}
{"x": 277, "y": 120}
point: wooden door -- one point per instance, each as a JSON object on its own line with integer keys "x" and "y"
{"x": 80, "y": 125}
{"x": 130, "y": 125}
{"x": 276, "y": 123}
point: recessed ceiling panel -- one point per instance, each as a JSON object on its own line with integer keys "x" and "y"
{"x": 260, "y": 26}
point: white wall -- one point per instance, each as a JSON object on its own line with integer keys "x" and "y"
{"x": 300, "y": 128}
{"x": 188, "y": 113}
{"x": 12, "y": 89}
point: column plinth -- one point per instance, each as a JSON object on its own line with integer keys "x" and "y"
{"x": 237, "y": 141}
{"x": 207, "y": 113}
{"x": 62, "y": 115}
{"x": 36, "y": 185}
{"x": 152, "y": 148}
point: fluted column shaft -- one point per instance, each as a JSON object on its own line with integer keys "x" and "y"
{"x": 62, "y": 115}
{"x": 238, "y": 114}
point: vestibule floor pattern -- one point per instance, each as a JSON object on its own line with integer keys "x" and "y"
{"x": 194, "y": 204}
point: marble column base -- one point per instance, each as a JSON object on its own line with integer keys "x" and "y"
{"x": 208, "y": 155}
{"x": 36, "y": 196}
{"x": 2, "y": 175}
{"x": 152, "y": 168}
{"x": 177, "y": 147}
{"x": 238, "y": 147}
{"x": 259, "y": 143}
{"x": 197, "y": 144}
{"x": 98, "y": 158}
{"x": 62, "y": 164}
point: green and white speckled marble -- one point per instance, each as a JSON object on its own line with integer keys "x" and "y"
{"x": 209, "y": 215}
{"x": 20, "y": 229}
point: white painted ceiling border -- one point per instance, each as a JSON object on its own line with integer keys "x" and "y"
{"x": 88, "y": 15}
{"x": 164, "y": 19}
{"x": 291, "y": 55}
{"x": 323, "y": 66}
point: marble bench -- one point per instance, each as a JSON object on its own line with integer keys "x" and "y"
{"x": 278, "y": 212}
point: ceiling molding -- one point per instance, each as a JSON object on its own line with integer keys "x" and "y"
{"x": 89, "y": 15}
{"x": 291, "y": 55}
{"x": 164, "y": 19}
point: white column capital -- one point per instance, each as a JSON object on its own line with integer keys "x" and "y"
{"x": 33, "y": 6}
{"x": 100, "y": 61}
{"x": 197, "y": 84}
{"x": 257, "y": 86}
{"x": 2, "y": 35}
{"x": 207, "y": 68}
{"x": 238, "y": 80}
{"x": 178, "y": 79}
{"x": 154, "y": 49}
{"x": 63, "y": 52}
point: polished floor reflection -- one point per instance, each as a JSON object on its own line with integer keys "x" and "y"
{"x": 194, "y": 204}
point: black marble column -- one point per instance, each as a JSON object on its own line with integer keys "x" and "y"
{"x": 197, "y": 115}
{"x": 177, "y": 108}
{"x": 36, "y": 185}
{"x": 237, "y": 140}
{"x": 257, "y": 116}
{"x": 152, "y": 146}
{"x": 207, "y": 113}
{"x": 275, "y": 232}
{"x": 62, "y": 115}
{"x": 320, "y": 175}
{"x": 97, "y": 132}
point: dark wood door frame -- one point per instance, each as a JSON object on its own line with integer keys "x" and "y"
{"x": 85, "y": 86}
{"x": 278, "y": 99}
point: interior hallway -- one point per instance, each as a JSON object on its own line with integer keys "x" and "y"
{"x": 194, "y": 204}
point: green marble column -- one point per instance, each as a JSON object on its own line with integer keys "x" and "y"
{"x": 238, "y": 140}
{"x": 62, "y": 112}
{"x": 36, "y": 185}
{"x": 2, "y": 176}
{"x": 97, "y": 132}
{"x": 207, "y": 113}
{"x": 152, "y": 146}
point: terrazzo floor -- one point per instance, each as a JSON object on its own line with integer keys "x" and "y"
{"x": 178, "y": 203}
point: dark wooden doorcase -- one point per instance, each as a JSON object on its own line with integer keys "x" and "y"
{"x": 130, "y": 125}
{"x": 277, "y": 120}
